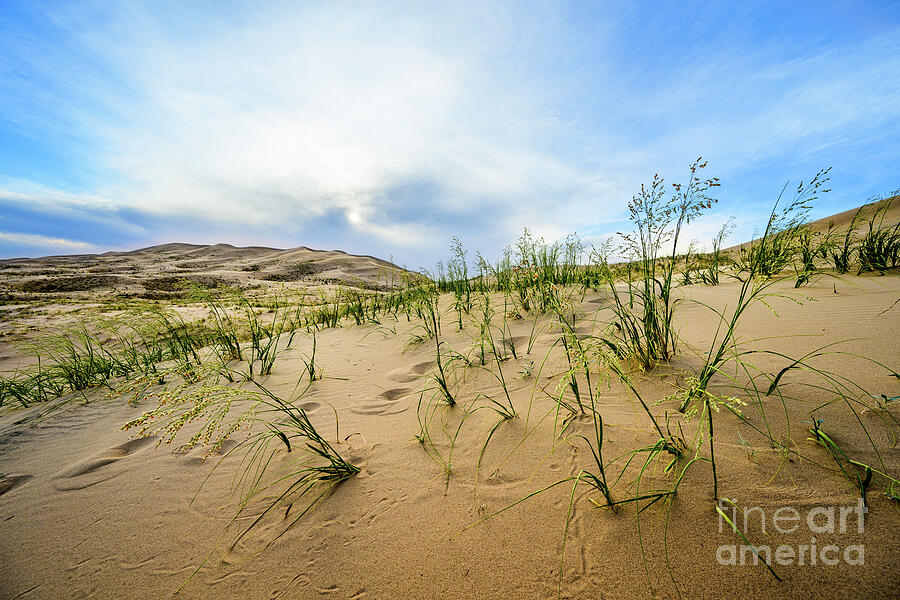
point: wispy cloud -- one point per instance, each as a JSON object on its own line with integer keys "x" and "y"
{"x": 42, "y": 241}
{"x": 386, "y": 129}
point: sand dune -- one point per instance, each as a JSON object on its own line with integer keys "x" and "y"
{"x": 886, "y": 212}
{"x": 159, "y": 270}
{"x": 841, "y": 221}
{"x": 88, "y": 510}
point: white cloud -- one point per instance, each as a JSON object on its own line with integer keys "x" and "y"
{"x": 301, "y": 114}
{"x": 34, "y": 195}
{"x": 278, "y": 120}
{"x": 298, "y": 116}
{"x": 43, "y": 241}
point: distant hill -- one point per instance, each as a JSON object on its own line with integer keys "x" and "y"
{"x": 840, "y": 222}
{"x": 163, "y": 270}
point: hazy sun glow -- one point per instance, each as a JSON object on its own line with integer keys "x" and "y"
{"x": 386, "y": 128}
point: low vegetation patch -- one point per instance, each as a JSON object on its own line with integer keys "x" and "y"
{"x": 75, "y": 283}
{"x": 174, "y": 283}
{"x": 295, "y": 272}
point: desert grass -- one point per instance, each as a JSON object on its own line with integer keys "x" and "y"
{"x": 270, "y": 427}
{"x": 646, "y": 337}
{"x": 181, "y": 364}
{"x": 647, "y": 334}
{"x": 503, "y": 407}
{"x": 138, "y": 339}
{"x": 879, "y": 248}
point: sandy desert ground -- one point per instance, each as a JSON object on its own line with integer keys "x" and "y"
{"x": 91, "y": 511}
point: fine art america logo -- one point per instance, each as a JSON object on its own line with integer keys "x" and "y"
{"x": 819, "y": 520}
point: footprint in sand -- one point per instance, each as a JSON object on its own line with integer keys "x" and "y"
{"x": 408, "y": 374}
{"x": 422, "y": 367}
{"x": 387, "y": 406}
{"x": 394, "y": 393}
{"x": 378, "y": 408}
{"x": 9, "y": 482}
{"x": 89, "y": 472}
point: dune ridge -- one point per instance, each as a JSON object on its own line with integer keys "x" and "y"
{"x": 161, "y": 268}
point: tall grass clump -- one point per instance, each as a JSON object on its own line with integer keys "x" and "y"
{"x": 78, "y": 358}
{"x": 810, "y": 246}
{"x": 329, "y": 312}
{"x": 775, "y": 250}
{"x": 458, "y": 282}
{"x": 264, "y": 339}
{"x": 718, "y": 258}
{"x": 646, "y": 331}
{"x": 576, "y": 357}
{"x": 840, "y": 253}
{"x": 756, "y": 279}
{"x": 542, "y": 270}
{"x": 596, "y": 476}
{"x": 505, "y": 409}
{"x": 439, "y": 439}
{"x": 271, "y": 427}
{"x": 428, "y": 309}
{"x": 879, "y": 248}
{"x": 240, "y": 332}
{"x": 227, "y": 331}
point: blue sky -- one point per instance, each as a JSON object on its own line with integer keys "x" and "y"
{"x": 387, "y": 128}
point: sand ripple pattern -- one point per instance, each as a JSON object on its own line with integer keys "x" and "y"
{"x": 100, "y": 467}
{"x": 386, "y": 404}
